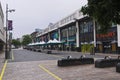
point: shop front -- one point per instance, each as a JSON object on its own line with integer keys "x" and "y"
{"x": 54, "y": 35}
{"x": 107, "y": 43}
{"x": 72, "y": 43}
{"x": 68, "y": 37}
{"x": 86, "y": 35}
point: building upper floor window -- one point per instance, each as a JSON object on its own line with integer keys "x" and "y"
{"x": 86, "y": 27}
{"x": 64, "y": 33}
{"x": 72, "y": 31}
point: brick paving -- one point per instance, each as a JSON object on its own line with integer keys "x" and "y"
{"x": 2, "y": 59}
{"x": 84, "y": 72}
{"x": 26, "y": 71}
{"x": 32, "y": 71}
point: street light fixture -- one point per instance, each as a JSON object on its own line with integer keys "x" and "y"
{"x": 7, "y": 55}
{"x": 11, "y": 10}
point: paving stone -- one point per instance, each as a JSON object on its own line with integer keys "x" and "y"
{"x": 2, "y": 59}
{"x": 32, "y": 71}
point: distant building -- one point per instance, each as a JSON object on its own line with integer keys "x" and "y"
{"x": 35, "y": 33}
{"x": 38, "y": 30}
{"x": 19, "y": 39}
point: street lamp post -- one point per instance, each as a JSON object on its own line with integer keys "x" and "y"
{"x": 7, "y": 55}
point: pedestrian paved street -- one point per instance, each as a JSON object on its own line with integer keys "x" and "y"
{"x": 32, "y": 71}
{"x": 48, "y": 70}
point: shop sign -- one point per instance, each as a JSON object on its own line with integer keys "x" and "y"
{"x": 110, "y": 34}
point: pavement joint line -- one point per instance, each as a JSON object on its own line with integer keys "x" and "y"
{"x": 98, "y": 58}
{"x": 12, "y": 56}
{"x": 56, "y": 56}
{"x": 3, "y": 70}
{"x": 46, "y": 70}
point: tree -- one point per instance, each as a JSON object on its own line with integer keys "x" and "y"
{"x": 16, "y": 43}
{"x": 105, "y": 12}
{"x": 26, "y": 40}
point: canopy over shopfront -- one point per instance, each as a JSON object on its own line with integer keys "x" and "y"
{"x": 55, "y": 41}
{"x": 37, "y": 43}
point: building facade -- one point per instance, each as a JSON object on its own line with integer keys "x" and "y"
{"x": 34, "y": 35}
{"x": 81, "y": 33}
{"x": 2, "y": 29}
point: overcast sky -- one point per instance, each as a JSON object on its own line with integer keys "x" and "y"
{"x": 32, "y": 14}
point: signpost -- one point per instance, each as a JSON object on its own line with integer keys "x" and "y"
{"x": 8, "y": 27}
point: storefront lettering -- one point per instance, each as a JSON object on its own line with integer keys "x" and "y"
{"x": 110, "y": 34}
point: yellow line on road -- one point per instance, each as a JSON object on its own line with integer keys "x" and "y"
{"x": 46, "y": 70}
{"x": 3, "y": 70}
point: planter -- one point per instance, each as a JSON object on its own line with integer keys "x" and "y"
{"x": 75, "y": 61}
{"x": 107, "y": 62}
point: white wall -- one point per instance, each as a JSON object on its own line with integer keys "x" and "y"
{"x": 2, "y": 30}
{"x": 118, "y": 33}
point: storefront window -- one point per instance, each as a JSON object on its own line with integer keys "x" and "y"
{"x": 81, "y": 28}
{"x": 90, "y": 28}
{"x": 100, "y": 48}
{"x": 84, "y": 27}
{"x": 72, "y": 31}
{"x": 64, "y": 33}
{"x": 113, "y": 47}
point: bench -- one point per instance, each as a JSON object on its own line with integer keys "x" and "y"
{"x": 106, "y": 62}
{"x": 75, "y": 61}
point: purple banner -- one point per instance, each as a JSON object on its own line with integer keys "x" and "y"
{"x": 10, "y": 25}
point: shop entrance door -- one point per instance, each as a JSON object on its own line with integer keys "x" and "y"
{"x": 106, "y": 47}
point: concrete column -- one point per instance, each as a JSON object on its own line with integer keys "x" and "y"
{"x": 118, "y": 35}
{"x": 67, "y": 37}
{"x": 94, "y": 30}
{"x": 48, "y": 36}
{"x": 59, "y": 35}
{"x": 77, "y": 34}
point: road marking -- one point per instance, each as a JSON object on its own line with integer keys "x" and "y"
{"x": 12, "y": 56}
{"x": 46, "y": 70}
{"x": 3, "y": 70}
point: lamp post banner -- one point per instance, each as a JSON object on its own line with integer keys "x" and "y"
{"x": 10, "y": 25}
